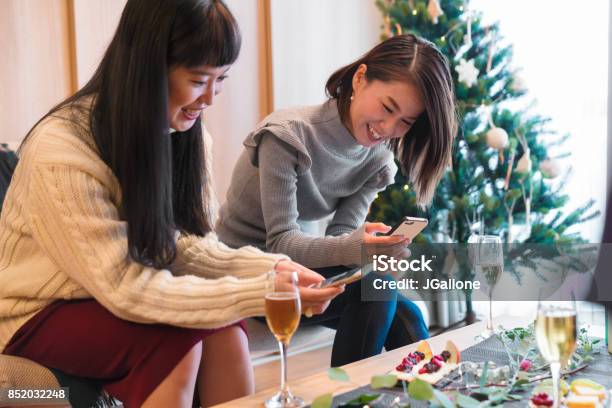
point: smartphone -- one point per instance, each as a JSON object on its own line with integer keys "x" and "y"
{"x": 343, "y": 278}
{"x": 409, "y": 227}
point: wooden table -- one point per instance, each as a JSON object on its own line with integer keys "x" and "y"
{"x": 360, "y": 372}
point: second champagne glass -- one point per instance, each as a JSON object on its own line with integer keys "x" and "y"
{"x": 283, "y": 311}
{"x": 556, "y": 334}
{"x": 490, "y": 265}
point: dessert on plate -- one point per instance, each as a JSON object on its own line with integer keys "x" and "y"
{"x": 426, "y": 366}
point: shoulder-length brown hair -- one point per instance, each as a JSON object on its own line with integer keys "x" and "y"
{"x": 426, "y": 149}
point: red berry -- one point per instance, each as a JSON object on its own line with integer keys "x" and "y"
{"x": 436, "y": 362}
{"x": 423, "y": 370}
{"x": 400, "y": 367}
{"x": 438, "y": 357}
{"x": 542, "y": 399}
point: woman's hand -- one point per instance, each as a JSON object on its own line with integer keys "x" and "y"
{"x": 370, "y": 237}
{"x": 314, "y": 300}
{"x": 393, "y": 245}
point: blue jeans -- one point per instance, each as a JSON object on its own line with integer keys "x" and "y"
{"x": 364, "y": 327}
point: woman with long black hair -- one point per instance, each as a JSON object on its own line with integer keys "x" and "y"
{"x": 108, "y": 266}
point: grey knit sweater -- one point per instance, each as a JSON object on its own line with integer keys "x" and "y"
{"x": 303, "y": 165}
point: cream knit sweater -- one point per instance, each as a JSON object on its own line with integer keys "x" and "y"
{"x": 62, "y": 237}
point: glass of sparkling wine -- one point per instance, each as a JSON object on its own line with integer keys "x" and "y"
{"x": 490, "y": 265}
{"x": 556, "y": 337}
{"x": 283, "y": 310}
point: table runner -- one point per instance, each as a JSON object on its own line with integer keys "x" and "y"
{"x": 491, "y": 349}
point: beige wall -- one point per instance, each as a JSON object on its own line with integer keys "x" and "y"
{"x": 36, "y": 71}
{"x": 311, "y": 39}
{"x": 95, "y": 22}
{"x": 244, "y": 100}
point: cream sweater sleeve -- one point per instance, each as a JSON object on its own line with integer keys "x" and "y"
{"x": 72, "y": 213}
{"x": 208, "y": 257}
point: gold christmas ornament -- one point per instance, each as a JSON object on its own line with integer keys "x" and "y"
{"x": 434, "y": 10}
{"x": 550, "y": 168}
{"x": 497, "y": 138}
{"x": 524, "y": 164}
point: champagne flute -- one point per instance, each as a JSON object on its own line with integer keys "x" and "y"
{"x": 283, "y": 310}
{"x": 556, "y": 334}
{"x": 490, "y": 264}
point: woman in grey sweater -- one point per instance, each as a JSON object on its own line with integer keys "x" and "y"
{"x": 303, "y": 165}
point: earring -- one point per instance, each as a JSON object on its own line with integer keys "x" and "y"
{"x": 352, "y": 97}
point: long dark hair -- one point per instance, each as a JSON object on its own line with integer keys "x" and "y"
{"x": 426, "y": 149}
{"x": 163, "y": 178}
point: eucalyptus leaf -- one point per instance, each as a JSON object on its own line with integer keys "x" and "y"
{"x": 521, "y": 382}
{"x": 483, "y": 376}
{"x": 322, "y": 401}
{"x": 420, "y": 390}
{"x": 383, "y": 381}
{"x": 464, "y": 401}
{"x": 337, "y": 374}
{"x": 360, "y": 401}
{"x": 443, "y": 399}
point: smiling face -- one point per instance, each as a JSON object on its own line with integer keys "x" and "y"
{"x": 382, "y": 110}
{"x": 190, "y": 91}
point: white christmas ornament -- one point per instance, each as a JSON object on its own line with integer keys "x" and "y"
{"x": 497, "y": 138}
{"x": 524, "y": 163}
{"x": 468, "y": 73}
{"x": 434, "y": 10}
{"x": 550, "y": 168}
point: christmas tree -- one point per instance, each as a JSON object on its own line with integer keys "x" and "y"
{"x": 502, "y": 180}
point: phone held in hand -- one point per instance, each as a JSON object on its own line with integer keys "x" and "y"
{"x": 409, "y": 227}
{"x": 343, "y": 278}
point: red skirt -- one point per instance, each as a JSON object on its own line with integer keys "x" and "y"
{"x": 83, "y": 339}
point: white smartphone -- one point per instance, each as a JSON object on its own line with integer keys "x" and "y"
{"x": 409, "y": 227}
